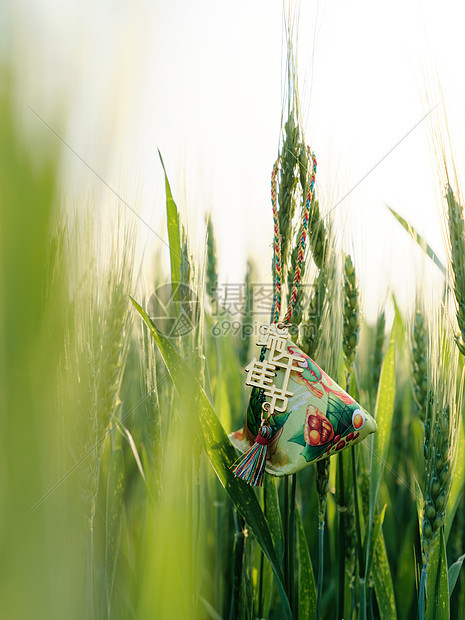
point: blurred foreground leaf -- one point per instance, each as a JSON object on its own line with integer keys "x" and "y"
{"x": 114, "y": 513}
{"x": 219, "y": 450}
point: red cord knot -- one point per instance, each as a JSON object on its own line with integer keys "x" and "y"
{"x": 264, "y": 435}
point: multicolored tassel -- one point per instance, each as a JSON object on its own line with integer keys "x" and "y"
{"x": 251, "y": 465}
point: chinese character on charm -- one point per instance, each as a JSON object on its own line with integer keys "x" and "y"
{"x": 261, "y": 373}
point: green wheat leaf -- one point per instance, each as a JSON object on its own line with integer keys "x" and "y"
{"x": 458, "y": 481}
{"x": 273, "y": 514}
{"x": 453, "y": 573}
{"x": 382, "y": 579}
{"x": 174, "y": 229}
{"x": 273, "y": 517}
{"x": 437, "y": 594}
{"x": 419, "y": 239}
{"x": 383, "y": 416}
{"x": 307, "y": 587}
{"x": 377, "y": 529}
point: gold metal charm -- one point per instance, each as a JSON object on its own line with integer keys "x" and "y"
{"x": 262, "y": 373}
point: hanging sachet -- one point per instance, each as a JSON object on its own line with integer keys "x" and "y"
{"x": 306, "y": 415}
{"x": 296, "y": 414}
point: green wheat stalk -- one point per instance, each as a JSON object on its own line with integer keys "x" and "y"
{"x": 247, "y": 315}
{"x": 419, "y": 339}
{"x": 349, "y": 527}
{"x": 289, "y": 178}
{"x": 456, "y": 226}
{"x": 441, "y": 419}
{"x": 322, "y": 327}
{"x": 378, "y": 350}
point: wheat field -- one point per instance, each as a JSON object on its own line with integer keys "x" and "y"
{"x": 119, "y": 387}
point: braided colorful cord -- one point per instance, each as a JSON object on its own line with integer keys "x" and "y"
{"x": 277, "y": 258}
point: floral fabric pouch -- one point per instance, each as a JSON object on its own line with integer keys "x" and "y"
{"x": 320, "y": 419}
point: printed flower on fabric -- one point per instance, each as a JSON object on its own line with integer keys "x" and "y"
{"x": 279, "y": 459}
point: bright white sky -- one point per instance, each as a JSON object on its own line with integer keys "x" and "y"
{"x": 203, "y": 82}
